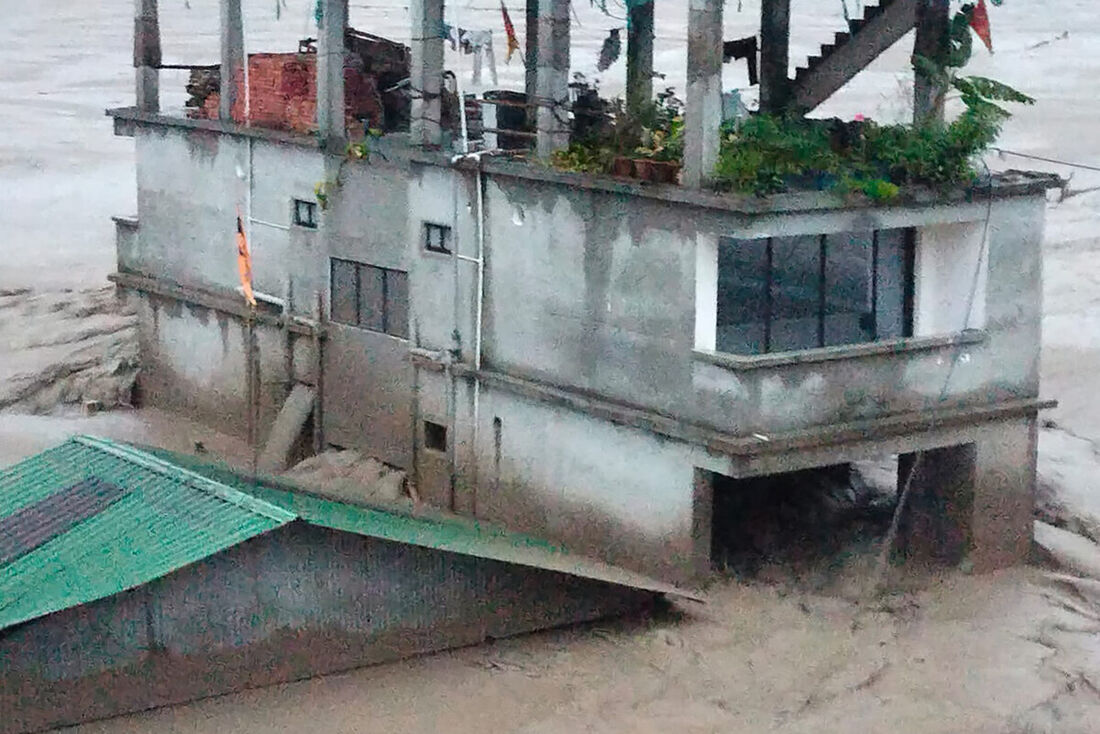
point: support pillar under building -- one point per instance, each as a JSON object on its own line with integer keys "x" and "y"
{"x": 972, "y": 501}
{"x": 147, "y": 58}
{"x": 331, "y": 115}
{"x": 426, "y": 74}
{"x": 703, "y": 113}
{"x": 552, "y": 76}
{"x": 232, "y": 56}
{"x": 639, "y": 55}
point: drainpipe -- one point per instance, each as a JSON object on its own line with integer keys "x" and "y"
{"x": 479, "y": 261}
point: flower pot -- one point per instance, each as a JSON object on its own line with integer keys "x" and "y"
{"x": 645, "y": 169}
{"x": 665, "y": 171}
{"x": 622, "y": 166}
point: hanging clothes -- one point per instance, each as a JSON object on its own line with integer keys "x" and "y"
{"x": 479, "y": 44}
{"x": 244, "y": 263}
{"x": 609, "y": 52}
{"x": 979, "y": 21}
{"x": 509, "y": 32}
{"x": 743, "y": 48}
{"x": 447, "y": 33}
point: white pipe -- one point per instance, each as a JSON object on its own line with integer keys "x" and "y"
{"x": 477, "y": 324}
{"x": 270, "y": 224}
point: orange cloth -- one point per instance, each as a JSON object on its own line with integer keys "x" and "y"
{"x": 244, "y": 263}
{"x": 979, "y": 21}
{"x": 510, "y": 31}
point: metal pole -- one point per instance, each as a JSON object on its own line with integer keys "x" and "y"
{"x": 932, "y": 42}
{"x": 146, "y": 55}
{"x": 775, "y": 41}
{"x": 639, "y": 55}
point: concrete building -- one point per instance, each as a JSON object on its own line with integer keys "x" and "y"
{"x": 584, "y": 358}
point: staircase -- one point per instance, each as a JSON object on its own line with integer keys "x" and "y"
{"x": 851, "y": 51}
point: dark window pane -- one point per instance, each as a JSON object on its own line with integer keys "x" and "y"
{"x": 436, "y": 238}
{"x": 397, "y": 303}
{"x": 892, "y": 276}
{"x": 848, "y": 309}
{"x": 796, "y": 293}
{"x": 344, "y": 295}
{"x": 742, "y": 288}
{"x": 372, "y": 298}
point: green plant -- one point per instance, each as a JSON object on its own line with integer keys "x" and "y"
{"x": 764, "y": 151}
{"x": 321, "y": 190}
{"x": 766, "y": 154}
{"x": 361, "y": 150}
{"x": 582, "y": 158}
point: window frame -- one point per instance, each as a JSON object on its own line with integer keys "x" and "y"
{"x": 296, "y": 206}
{"x": 444, "y": 237}
{"x": 768, "y": 315}
{"x": 388, "y": 275}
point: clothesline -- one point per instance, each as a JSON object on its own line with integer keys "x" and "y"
{"x": 1082, "y": 166}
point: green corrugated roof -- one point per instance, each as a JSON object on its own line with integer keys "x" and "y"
{"x": 175, "y": 510}
{"x": 168, "y": 518}
{"x": 425, "y": 527}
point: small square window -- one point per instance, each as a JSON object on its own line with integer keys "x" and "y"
{"x": 305, "y": 213}
{"x": 435, "y": 436}
{"x": 437, "y": 238}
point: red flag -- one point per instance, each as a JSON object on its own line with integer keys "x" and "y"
{"x": 510, "y": 31}
{"x": 244, "y": 263}
{"x": 979, "y": 21}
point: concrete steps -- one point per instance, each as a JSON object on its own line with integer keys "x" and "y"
{"x": 881, "y": 27}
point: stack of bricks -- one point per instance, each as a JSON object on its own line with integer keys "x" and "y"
{"x": 283, "y": 95}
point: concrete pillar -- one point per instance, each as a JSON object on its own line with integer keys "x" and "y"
{"x": 552, "y": 80}
{"x": 426, "y": 74}
{"x": 702, "y": 522}
{"x": 775, "y": 43}
{"x": 531, "y": 60}
{"x": 703, "y": 106}
{"x": 933, "y": 42}
{"x": 973, "y": 501}
{"x": 935, "y": 523}
{"x": 331, "y": 115}
{"x": 639, "y": 55}
{"x": 147, "y": 58}
{"x": 232, "y": 56}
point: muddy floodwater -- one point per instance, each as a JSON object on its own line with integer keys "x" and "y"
{"x": 806, "y": 649}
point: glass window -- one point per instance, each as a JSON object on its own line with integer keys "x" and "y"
{"x": 305, "y": 213}
{"x": 792, "y": 293}
{"x": 437, "y": 238}
{"x": 397, "y": 303}
{"x": 796, "y": 293}
{"x": 849, "y": 318}
{"x": 370, "y": 297}
{"x": 345, "y": 292}
{"x": 742, "y": 296}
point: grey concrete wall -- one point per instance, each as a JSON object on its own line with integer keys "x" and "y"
{"x": 603, "y": 490}
{"x": 190, "y": 183}
{"x": 297, "y": 602}
{"x": 598, "y": 292}
{"x": 193, "y": 360}
{"x": 368, "y": 377}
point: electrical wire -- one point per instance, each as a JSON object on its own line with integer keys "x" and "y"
{"x": 907, "y": 485}
{"x": 1082, "y": 166}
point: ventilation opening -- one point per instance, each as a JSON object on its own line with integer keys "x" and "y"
{"x": 801, "y": 521}
{"x": 435, "y": 436}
